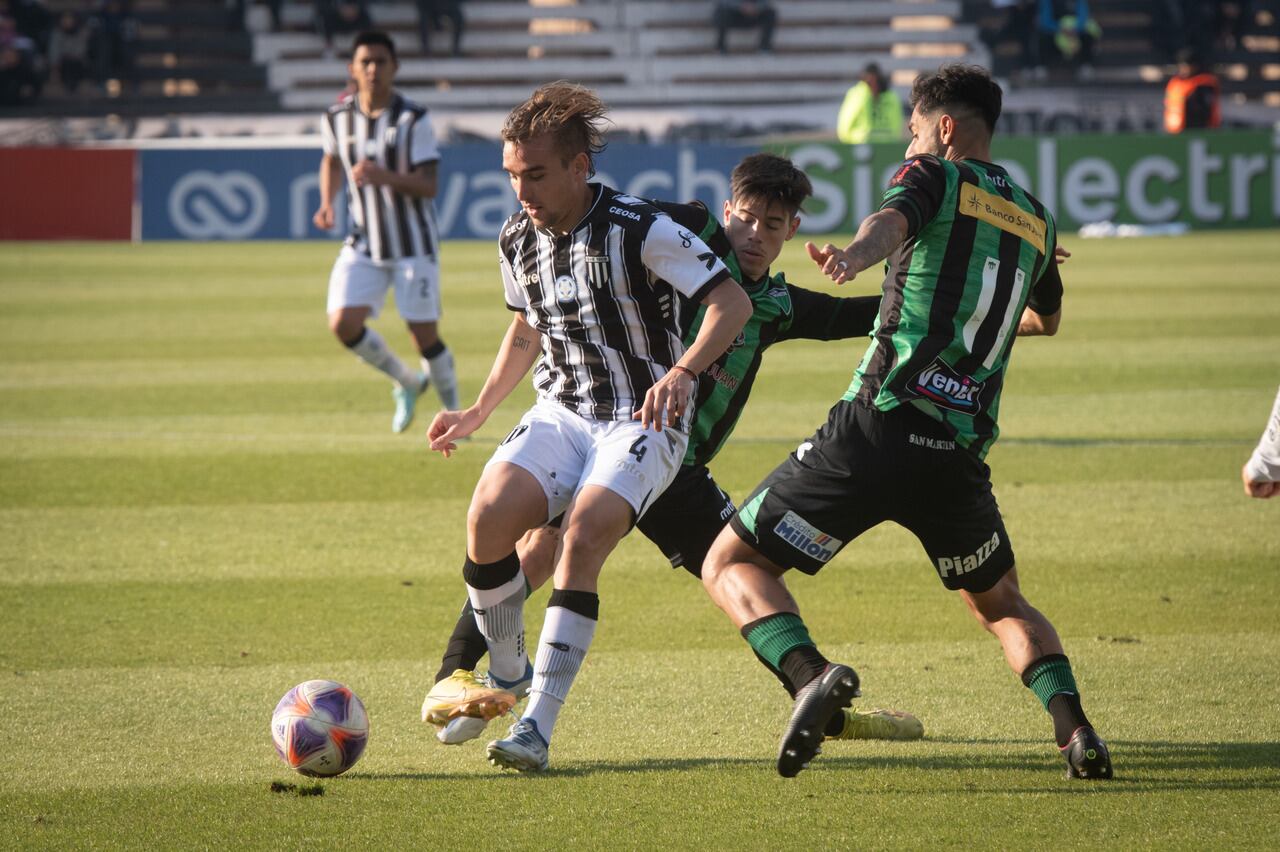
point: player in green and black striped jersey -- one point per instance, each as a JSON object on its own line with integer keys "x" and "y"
{"x": 970, "y": 267}
{"x": 683, "y": 522}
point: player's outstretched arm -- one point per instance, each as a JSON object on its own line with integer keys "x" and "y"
{"x": 728, "y": 309}
{"x": 877, "y": 237}
{"x": 516, "y": 355}
{"x": 1261, "y": 474}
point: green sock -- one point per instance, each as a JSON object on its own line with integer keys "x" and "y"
{"x": 774, "y": 635}
{"x": 1049, "y": 676}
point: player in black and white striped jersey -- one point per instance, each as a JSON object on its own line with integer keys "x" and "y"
{"x": 384, "y": 146}
{"x": 592, "y": 276}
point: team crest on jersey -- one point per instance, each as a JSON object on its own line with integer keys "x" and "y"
{"x": 598, "y": 271}
{"x": 390, "y": 136}
{"x": 566, "y": 288}
{"x": 946, "y": 388}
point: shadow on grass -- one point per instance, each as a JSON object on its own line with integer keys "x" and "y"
{"x": 1154, "y": 765}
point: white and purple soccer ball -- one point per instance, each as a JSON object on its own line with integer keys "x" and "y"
{"x": 320, "y": 728}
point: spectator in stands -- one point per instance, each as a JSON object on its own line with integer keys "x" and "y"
{"x": 69, "y": 51}
{"x": 113, "y": 40}
{"x": 20, "y": 70}
{"x": 32, "y": 20}
{"x": 1191, "y": 99}
{"x": 432, "y": 14}
{"x": 871, "y": 112}
{"x": 1067, "y": 31}
{"x": 746, "y": 15}
{"x": 341, "y": 16}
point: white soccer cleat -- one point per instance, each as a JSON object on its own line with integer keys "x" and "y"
{"x": 524, "y": 749}
{"x": 406, "y": 400}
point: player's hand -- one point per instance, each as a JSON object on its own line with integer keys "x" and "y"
{"x": 1256, "y": 488}
{"x": 1060, "y": 255}
{"x": 369, "y": 173}
{"x": 324, "y": 217}
{"x": 666, "y": 401}
{"x": 449, "y": 427}
{"x": 835, "y": 262}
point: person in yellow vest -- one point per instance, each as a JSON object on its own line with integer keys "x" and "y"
{"x": 1192, "y": 97}
{"x": 871, "y": 112}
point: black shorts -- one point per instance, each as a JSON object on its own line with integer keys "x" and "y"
{"x": 686, "y": 519}
{"x": 865, "y": 466}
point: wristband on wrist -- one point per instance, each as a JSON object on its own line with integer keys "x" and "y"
{"x": 685, "y": 369}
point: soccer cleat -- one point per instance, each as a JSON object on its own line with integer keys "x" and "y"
{"x": 464, "y": 694}
{"x": 879, "y": 725}
{"x": 406, "y": 399}
{"x": 524, "y": 749}
{"x": 461, "y": 729}
{"x": 816, "y": 702}
{"x": 1087, "y": 755}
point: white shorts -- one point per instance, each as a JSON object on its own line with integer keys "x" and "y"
{"x": 565, "y": 452}
{"x": 358, "y": 281}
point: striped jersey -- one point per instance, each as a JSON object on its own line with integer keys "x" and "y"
{"x": 780, "y": 311}
{"x": 605, "y": 298}
{"x": 382, "y": 223}
{"x": 979, "y": 249}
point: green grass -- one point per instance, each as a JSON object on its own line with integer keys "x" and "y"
{"x": 201, "y": 505}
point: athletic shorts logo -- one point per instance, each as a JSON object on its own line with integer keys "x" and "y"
{"x": 948, "y": 389}
{"x": 958, "y": 565}
{"x": 806, "y": 538}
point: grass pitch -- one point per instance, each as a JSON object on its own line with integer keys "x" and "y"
{"x": 201, "y": 505}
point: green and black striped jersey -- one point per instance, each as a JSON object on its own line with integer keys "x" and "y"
{"x": 979, "y": 249}
{"x": 782, "y": 312}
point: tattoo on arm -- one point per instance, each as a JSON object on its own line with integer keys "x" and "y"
{"x": 876, "y": 241}
{"x": 521, "y": 343}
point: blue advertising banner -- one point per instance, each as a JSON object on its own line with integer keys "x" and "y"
{"x": 271, "y": 194}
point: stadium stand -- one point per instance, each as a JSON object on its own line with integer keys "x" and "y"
{"x": 645, "y": 53}
{"x": 1139, "y": 38}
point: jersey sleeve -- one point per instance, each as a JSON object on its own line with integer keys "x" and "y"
{"x": 516, "y": 300}
{"x": 677, "y": 256}
{"x": 818, "y": 316}
{"x": 327, "y": 139}
{"x": 916, "y": 191}
{"x": 423, "y": 147}
{"x": 1264, "y": 464}
{"x": 1046, "y": 294}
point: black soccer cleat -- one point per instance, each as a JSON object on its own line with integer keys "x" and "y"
{"x": 1087, "y": 755}
{"x": 816, "y": 702}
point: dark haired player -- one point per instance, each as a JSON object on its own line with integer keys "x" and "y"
{"x": 970, "y": 267}
{"x": 767, "y": 195}
{"x": 384, "y": 146}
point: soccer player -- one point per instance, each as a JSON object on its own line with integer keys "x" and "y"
{"x": 593, "y": 278}
{"x": 768, "y": 192}
{"x": 1261, "y": 474}
{"x": 385, "y": 146}
{"x": 970, "y": 265}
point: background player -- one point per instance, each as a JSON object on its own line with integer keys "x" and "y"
{"x": 1261, "y": 474}
{"x": 384, "y": 145}
{"x": 970, "y": 264}
{"x": 592, "y": 276}
{"x": 763, "y": 213}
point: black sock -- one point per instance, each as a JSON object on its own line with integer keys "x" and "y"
{"x": 786, "y": 684}
{"x": 802, "y": 664}
{"x": 466, "y": 645}
{"x": 433, "y": 350}
{"x": 1067, "y": 716}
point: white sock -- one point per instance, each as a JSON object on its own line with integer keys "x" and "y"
{"x": 373, "y": 350}
{"x": 500, "y": 617}
{"x": 566, "y": 636}
{"x": 440, "y": 369}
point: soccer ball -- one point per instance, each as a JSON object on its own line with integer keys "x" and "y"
{"x": 320, "y": 728}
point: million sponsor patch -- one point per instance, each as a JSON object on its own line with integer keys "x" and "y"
{"x": 807, "y": 538}
{"x": 1005, "y": 215}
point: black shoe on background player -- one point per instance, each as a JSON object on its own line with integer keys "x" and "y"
{"x": 1087, "y": 755}
{"x": 816, "y": 702}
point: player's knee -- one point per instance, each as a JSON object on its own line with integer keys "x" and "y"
{"x": 347, "y": 329}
